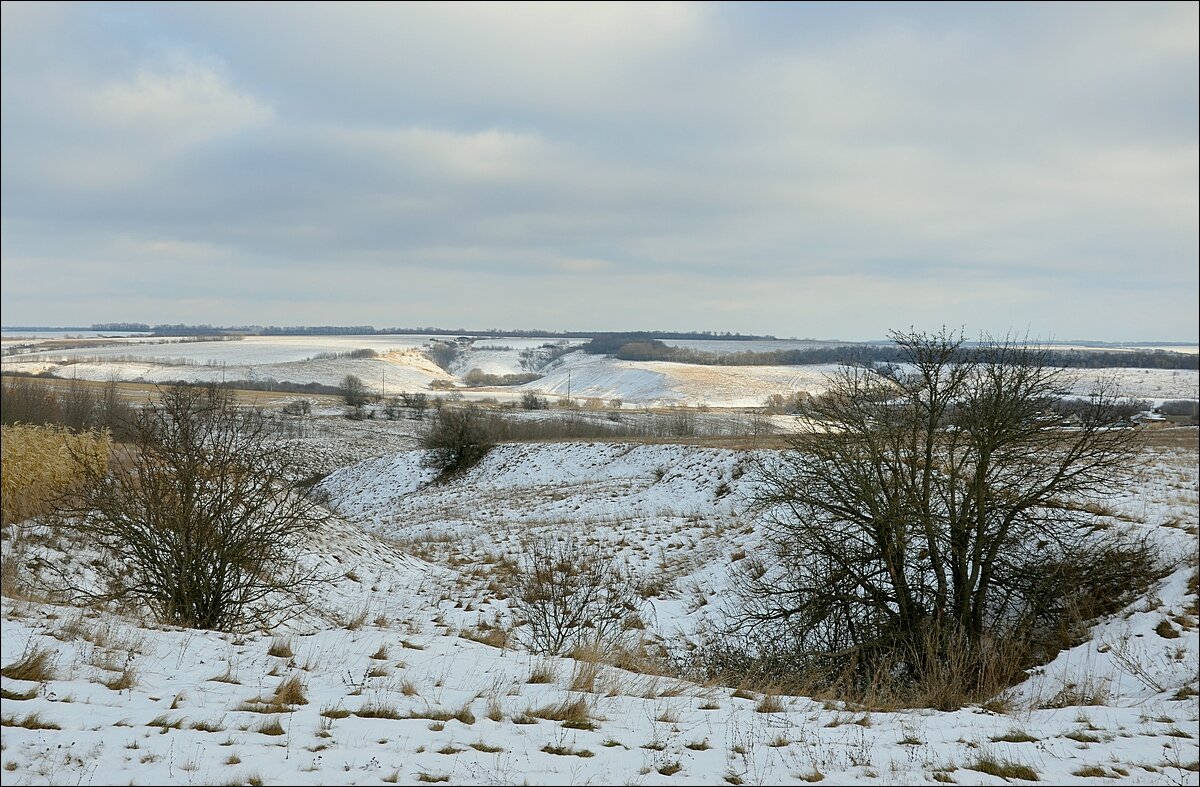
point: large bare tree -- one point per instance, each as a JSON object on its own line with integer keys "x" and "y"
{"x": 937, "y": 504}
{"x": 198, "y": 519}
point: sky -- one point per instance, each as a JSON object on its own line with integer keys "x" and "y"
{"x": 810, "y": 170}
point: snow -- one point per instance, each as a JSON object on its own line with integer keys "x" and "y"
{"x": 416, "y": 562}
{"x": 403, "y": 365}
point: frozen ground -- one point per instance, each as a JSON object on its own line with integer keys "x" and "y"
{"x": 398, "y": 687}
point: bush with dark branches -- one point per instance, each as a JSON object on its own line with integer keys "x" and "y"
{"x": 933, "y": 508}
{"x": 457, "y": 438}
{"x": 198, "y": 520}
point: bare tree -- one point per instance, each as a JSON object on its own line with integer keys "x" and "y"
{"x": 199, "y": 520}
{"x": 936, "y": 505}
{"x": 354, "y": 391}
{"x": 416, "y": 402}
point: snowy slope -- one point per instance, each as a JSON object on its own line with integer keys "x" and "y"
{"x": 393, "y": 635}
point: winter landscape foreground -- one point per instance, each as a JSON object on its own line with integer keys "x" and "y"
{"x": 410, "y": 666}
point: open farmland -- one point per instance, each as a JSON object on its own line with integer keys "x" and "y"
{"x": 403, "y": 363}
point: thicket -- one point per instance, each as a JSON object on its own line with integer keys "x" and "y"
{"x": 78, "y": 406}
{"x": 477, "y": 378}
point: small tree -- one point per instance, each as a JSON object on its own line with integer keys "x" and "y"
{"x": 531, "y": 401}
{"x": 416, "y": 403}
{"x": 354, "y": 391}
{"x": 457, "y": 438}
{"x": 199, "y": 520}
{"x": 931, "y": 509}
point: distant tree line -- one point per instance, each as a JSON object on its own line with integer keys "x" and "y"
{"x": 645, "y": 348}
{"x": 370, "y": 330}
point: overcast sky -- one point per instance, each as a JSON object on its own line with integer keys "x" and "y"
{"x": 803, "y": 170}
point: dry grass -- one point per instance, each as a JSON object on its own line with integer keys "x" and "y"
{"x": 486, "y": 748}
{"x": 209, "y": 726}
{"x": 1165, "y": 630}
{"x": 281, "y": 647}
{"x": 770, "y": 703}
{"x": 1004, "y": 769}
{"x": 228, "y": 676}
{"x": 126, "y": 680}
{"x": 39, "y": 462}
{"x": 291, "y": 691}
{"x": 573, "y": 714}
{"x": 376, "y": 710}
{"x": 32, "y": 721}
{"x": 270, "y": 727}
{"x": 567, "y": 751}
{"x": 37, "y": 665}
{"x": 165, "y": 722}
{"x": 542, "y": 673}
{"x": 334, "y": 713}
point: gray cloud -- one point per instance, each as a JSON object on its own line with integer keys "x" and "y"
{"x": 799, "y": 170}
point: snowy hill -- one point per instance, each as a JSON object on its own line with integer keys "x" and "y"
{"x": 388, "y": 679}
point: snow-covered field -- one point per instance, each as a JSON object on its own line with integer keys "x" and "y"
{"x": 403, "y": 365}
{"x": 397, "y": 686}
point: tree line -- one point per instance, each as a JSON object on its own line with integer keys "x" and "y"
{"x": 649, "y": 349}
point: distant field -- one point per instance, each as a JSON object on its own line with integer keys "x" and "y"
{"x": 403, "y": 363}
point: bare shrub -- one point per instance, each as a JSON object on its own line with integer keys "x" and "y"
{"x": 531, "y": 401}
{"x": 199, "y": 521}
{"x": 456, "y": 439}
{"x": 416, "y": 404}
{"x": 928, "y": 510}
{"x": 354, "y": 391}
{"x": 570, "y": 597}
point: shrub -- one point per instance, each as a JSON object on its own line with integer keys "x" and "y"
{"x": 298, "y": 407}
{"x": 199, "y": 522}
{"x": 929, "y": 510}
{"x": 354, "y": 391}
{"x": 456, "y": 439}
{"x": 571, "y": 597}
{"x": 531, "y": 401}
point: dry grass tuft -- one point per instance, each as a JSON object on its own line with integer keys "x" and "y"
{"x": 770, "y": 703}
{"x": 32, "y": 721}
{"x": 566, "y": 751}
{"x": 376, "y": 710}
{"x": 1004, "y": 769}
{"x": 38, "y": 666}
{"x": 291, "y": 691}
{"x": 542, "y": 673}
{"x": 270, "y": 727}
{"x": 281, "y": 647}
{"x": 126, "y": 680}
{"x": 574, "y": 714}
